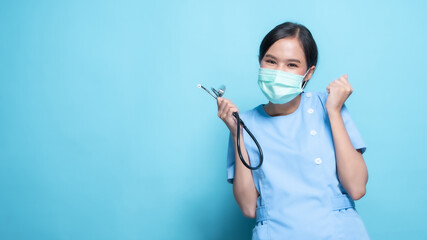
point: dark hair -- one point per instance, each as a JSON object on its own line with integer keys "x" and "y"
{"x": 290, "y": 29}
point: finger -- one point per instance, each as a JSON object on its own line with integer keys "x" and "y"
{"x": 341, "y": 83}
{"x": 333, "y": 85}
{"x": 230, "y": 112}
{"x": 345, "y": 76}
{"x": 225, "y": 114}
{"x": 219, "y": 101}
{"x": 226, "y": 111}
{"x": 222, "y": 107}
{"x": 345, "y": 84}
{"x": 338, "y": 81}
{"x": 344, "y": 80}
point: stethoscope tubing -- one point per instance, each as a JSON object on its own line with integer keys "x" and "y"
{"x": 239, "y": 150}
{"x": 239, "y": 122}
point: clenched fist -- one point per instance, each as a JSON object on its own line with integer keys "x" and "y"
{"x": 339, "y": 90}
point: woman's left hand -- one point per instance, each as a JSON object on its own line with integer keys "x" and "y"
{"x": 339, "y": 90}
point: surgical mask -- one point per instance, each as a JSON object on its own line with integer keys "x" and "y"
{"x": 280, "y": 87}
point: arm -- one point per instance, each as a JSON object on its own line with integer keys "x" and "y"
{"x": 244, "y": 189}
{"x": 351, "y": 167}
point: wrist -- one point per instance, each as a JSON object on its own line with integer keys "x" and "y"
{"x": 333, "y": 112}
{"x": 234, "y": 134}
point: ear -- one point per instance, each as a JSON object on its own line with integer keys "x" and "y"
{"x": 310, "y": 73}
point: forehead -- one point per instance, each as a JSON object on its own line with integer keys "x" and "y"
{"x": 287, "y": 48}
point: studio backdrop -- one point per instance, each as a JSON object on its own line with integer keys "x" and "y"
{"x": 105, "y": 135}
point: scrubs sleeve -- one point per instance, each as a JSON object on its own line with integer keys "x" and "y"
{"x": 352, "y": 131}
{"x": 230, "y": 160}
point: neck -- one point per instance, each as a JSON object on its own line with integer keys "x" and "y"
{"x": 282, "y": 109}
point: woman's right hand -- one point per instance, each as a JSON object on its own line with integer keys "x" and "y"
{"x": 225, "y": 111}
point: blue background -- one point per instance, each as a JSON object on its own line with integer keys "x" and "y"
{"x": 104, "y": 134}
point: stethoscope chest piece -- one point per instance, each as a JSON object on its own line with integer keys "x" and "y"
{"x": 217, "y": 93}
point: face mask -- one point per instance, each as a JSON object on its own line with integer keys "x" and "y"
{"x": 280, "y": 87}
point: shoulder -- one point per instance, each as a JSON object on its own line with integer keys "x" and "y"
{"x": 322, "y": 96}
{"x": 316, "y": 98}
{"x": 252, "y": 114}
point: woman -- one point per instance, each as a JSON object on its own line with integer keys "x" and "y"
{"x": 313, "y": 167}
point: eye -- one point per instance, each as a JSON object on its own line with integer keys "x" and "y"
{"x": 270, "y": 61}
{"x": 292, "y": 65}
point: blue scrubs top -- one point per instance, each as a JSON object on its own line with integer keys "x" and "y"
{"x": 300, "y": 194}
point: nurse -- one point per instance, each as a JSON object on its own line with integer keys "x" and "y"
{"x": 313, "y": 168}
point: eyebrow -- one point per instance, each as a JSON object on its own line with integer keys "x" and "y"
{"x": 273, "y": 57}
{"x": 294, "y": 60}
{"x": 289, "y": 60}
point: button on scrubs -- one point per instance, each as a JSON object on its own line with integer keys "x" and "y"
{"x": 300, "y": 194}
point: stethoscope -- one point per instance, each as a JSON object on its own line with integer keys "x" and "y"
{"x": 219, "y": 93}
